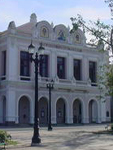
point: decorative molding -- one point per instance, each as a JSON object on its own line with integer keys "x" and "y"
{"x": 58, "y": 46}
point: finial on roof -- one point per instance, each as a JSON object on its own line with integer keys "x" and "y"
{"x": 33, "y": 18}
{"x": 12, "y": 27}
{"x": 68, "y": 28}
{"x": 52, "y": 25}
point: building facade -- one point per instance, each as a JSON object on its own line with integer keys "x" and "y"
{"x": 68, "y": 60}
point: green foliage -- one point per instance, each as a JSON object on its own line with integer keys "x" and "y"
{"x": 101, "y": 34}
{"x": 110, "y": 5}
{"x": 10, "y": 142}
{"x": 102, "y": 78}
{"x": 4, "y": 136}
{"x": 110, "y": 80}
{"x": 111, "y": 127}
{"x": 76, "y": 22}
{"x": 98, "y": 30}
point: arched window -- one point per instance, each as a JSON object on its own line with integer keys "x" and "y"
{"x": 77, "y": 38}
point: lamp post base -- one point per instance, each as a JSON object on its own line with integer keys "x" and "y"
{"x": 35, "y": 144}
{"x": 35, "y": 141}
{"x": 50, "y": 128}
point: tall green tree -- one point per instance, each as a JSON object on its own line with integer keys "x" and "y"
{"x": 110, "y": 80}
{"x": 100, "y": 33}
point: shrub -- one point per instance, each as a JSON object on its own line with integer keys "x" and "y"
{"x": 4, "y": 136}
{"x": 111, "y": 127}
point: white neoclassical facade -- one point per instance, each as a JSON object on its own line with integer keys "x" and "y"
{"x": 68, "y": 60}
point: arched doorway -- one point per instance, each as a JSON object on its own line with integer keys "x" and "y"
{"x": 60, "y": 111}
{"x": 93, "y": 111}
{"x": 77, "y": 111}
{"x": 43, "y": 111}
{"x": 24, "y": 110}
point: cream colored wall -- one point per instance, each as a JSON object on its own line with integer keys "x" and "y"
{"x": 69, "y": 89}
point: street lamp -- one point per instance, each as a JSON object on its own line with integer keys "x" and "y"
{"x": 50, "y": 87}
{"x": 34, "y": 57}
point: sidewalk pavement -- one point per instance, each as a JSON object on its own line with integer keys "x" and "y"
{"x": 63, "y": 138}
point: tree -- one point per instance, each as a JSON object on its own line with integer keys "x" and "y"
{"x": 110, "y": 80}
{"x": 110, "y": 5}
{"x": 102, "y": 79}
{"x": 101, "y": 33}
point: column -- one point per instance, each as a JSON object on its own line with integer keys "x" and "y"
{"x": 11, "y": 107}
{"x": 69, "y": 67}
{"x": 12, "y": 59}
{"x": 103, "y": 110}
{"x": 70, "y": 111}
{"x": 85, "y": 114}
{"x": 12, "y": 66}
{"x": 85, "y": 69}
{"x": 53, "y": 64}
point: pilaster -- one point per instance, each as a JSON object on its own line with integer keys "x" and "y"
{"x": 85, "y": 69}
{"x": 11, "y": 106}
{"x": 53, "y": 64}
{"x": 12, "y": 53}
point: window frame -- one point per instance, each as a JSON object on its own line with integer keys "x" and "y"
{"x": 93, "y": 71}
{"x": 61, "y": 74}
{"x": 24, "y": 65}
{"x": 77, "y": 75}
{"x": 43, "y": 66}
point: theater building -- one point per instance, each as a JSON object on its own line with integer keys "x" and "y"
{"x": 68, "y": 60}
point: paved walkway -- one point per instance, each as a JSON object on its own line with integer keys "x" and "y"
{"x": 63, "y": 138}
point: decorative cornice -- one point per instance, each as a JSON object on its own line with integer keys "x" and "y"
{"x": 59, "y": 46}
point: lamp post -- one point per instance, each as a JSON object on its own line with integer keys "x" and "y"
{"x": 50, "y": 87}
{"x": 34, "y": 57}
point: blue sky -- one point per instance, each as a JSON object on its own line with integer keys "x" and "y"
{"x": 56, "y": 11}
